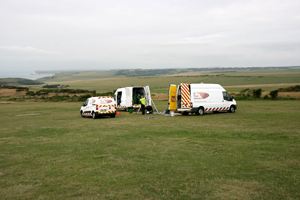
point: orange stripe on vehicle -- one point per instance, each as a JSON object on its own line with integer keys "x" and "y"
{"x": 101, "y": 106}
{"x": 185, "y": 96}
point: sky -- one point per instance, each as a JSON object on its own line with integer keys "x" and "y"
{"x": 156, "y": 34}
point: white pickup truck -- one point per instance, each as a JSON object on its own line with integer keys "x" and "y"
{"x": 98, "y": 106}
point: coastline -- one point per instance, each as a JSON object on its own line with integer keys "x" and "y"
{"x": 23, "y": 74}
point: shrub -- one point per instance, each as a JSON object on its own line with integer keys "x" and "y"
{"x": 84, "y": 97}
{"x": 19, "y": 89}
{"x": 244, "y": 91}
{"x": 290, "y": 89}
{"x": 274, "y": 94}
{"x": 256, "y": 93}
{"x": 30, "y": 93}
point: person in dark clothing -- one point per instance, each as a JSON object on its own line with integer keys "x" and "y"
{"x": 143, "y": 103}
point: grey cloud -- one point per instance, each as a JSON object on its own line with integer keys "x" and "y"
{"x": 150, "y": 34}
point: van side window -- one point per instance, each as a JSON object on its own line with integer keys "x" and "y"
{"x": 119, "y": 97}
{"x": 226, "y": 96}
{"x": 86, "y": 102}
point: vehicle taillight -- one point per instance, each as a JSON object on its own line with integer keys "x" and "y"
{"x": 96, "y": 107}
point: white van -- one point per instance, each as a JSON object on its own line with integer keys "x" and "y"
{"x": 199, "y": 98}
{"x": 129, "y": 97}
{"x": 98, "y": 106}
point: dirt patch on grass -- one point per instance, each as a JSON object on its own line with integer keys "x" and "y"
{"x": 10, "y": 92}
{"x": 289, "y": 94}
{"x": 159, "y": 96}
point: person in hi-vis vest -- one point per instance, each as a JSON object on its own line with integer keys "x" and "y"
{"x": 143, "y": 103}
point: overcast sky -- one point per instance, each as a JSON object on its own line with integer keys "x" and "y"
{"x": 116, "y": 34}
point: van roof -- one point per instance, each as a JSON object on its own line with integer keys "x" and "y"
{"x": 133, "y": 87}
{"x": 102, "y": 97}
{"x": 207, "y": 86}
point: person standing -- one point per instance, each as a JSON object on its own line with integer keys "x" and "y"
{"x": 143, "y": 103}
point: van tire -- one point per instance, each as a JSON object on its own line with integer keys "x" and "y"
{"x": 200, "y": 111}
{"x": 231, "y": 109}
{"x": 94, "y": 116}
{"x": 149, "y": 108}
{"x": 113, "y": 116}
{"x": 126, "y": 109}
{"x": 81, "y": 114}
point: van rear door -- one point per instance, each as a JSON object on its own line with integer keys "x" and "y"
{"x": 172, "y": 97}
{"x": 148, "y": 95}
{"x": 185, "y": 96}
{"x": 128, "y": 92}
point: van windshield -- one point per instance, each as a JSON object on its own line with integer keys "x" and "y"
{"x": 226, "y": 96}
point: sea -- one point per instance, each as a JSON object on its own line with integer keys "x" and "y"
{"x": 21, "y": 74}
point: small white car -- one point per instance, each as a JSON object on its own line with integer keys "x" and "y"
{"x": 98, "y": 106}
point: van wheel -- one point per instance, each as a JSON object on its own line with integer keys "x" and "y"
{"x": 232, "y": 109}
{"x": 113, "y": 116}
{"x": 126, "y": 109}
{"x": 200, "y": 111}
{"x": 94, "y": 115}
{"x": 81, "y": 113}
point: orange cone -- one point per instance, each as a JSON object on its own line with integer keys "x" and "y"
{"x": 118, "y": 113}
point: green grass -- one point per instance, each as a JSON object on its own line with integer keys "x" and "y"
{"x": 251, "y": 154}
{"x": 80, "y": 75}
{"x": 240, "y": 78}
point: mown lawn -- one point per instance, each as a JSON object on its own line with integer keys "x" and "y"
{"x": 55, "y": 154}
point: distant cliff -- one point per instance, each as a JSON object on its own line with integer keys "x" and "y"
{"x": 19, "y": 81}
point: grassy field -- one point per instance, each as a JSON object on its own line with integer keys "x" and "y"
{"x": 47, "y": 151}
{"x": 80, "y": 75}
{"x": 232, "y": 81}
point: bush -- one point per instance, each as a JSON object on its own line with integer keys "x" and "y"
{"x": 30, "y": 93}
{"x": 244, "y": 91}
{"x": 19, "y": 89}
{"x": 256, "y": 93}
{"x": 274, "y": 94}
{"x": 84, "y": 97}
{"x": 290, "y": 89}
{"x": 243, "y": 97}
